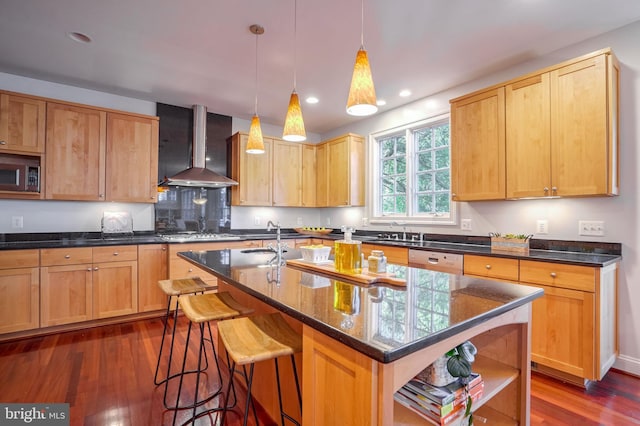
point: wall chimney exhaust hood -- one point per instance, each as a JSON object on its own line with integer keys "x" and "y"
{"x": 198, "y": 175}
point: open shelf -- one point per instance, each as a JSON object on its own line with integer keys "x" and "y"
{"x": 496, "y": 376}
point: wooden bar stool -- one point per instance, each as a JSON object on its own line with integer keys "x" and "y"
{"x": 259, "y": 338}
{"x": 176, "y": 288}
{"x": 201, "y": 309}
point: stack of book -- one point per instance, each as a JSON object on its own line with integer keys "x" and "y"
{"x": 440, "y": 404}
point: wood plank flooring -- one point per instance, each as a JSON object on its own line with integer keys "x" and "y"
{"x": 106, "y": 375}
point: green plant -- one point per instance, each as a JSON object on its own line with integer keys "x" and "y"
{"x": 459, "y": 365}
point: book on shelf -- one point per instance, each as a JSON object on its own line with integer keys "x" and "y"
{"x": 439, "y": 414}
{"x": 441, "y": 395}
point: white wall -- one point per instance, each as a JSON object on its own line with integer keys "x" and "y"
{"x": 620, "y": 213}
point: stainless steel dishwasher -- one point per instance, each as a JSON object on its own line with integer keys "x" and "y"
{"x": 436, "y": 261}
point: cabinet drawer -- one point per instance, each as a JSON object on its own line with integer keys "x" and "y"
{"x": 66, "y": 256}
{"x": 491, "y": 267}
{"x": 19, "y": 259}
{"x": 180, "y": 268}
{"x": 558, "y": 275}
{"x": 115, "y": 253}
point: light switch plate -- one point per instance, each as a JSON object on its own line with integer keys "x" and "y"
{"x": 591, "y": 227}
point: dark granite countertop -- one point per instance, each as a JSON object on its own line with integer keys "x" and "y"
{"x": 568, "y": 252}
{"x": 382, "y": 322}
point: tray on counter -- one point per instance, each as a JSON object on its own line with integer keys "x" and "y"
{"x": 312, "y": 232}
{"x": 364, "y": 278}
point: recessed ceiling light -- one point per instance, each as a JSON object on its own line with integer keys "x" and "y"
{"x": 404, "y": 93}
{"x": 381, "y": 102}
{"x": 79, "y": 37}
{"x": 312, "y": 100}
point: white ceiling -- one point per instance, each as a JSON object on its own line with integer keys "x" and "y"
{"x": 185, "y": 52}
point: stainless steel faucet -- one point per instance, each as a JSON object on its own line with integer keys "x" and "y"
{"x": 279, "y": 245}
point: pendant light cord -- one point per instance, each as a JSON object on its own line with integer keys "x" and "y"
{"x": 295, "y": 34}
{"x": 256, "y": 102}
{"x": 362, "y": 25}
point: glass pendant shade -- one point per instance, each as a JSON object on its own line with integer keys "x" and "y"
{"x": 255, "y": 144}
{"x": 294, "y": 124}
{"x": 362, "y": 94}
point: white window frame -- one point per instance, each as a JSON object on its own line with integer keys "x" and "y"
{"x": 375, "y": 215}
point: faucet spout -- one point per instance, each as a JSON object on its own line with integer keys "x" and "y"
{"x": 279, "y": 246}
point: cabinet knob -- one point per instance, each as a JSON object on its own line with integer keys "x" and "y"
{"x": 190, "y": 269}
{"x": 3, "y": 142}
{"x": 487, "y": 266}
{"x": 89, "y": 269}
{"x": 164, "y": 249}
{"x": 100, "y": 195}
{"x": 67, "y": 256}
{"x": 95, "y": 268}
{"x": 554, "y": 189}
{"x": 553, "y": 275}
{"x": 546, "y": 189}
{"x": 115, "y": 253}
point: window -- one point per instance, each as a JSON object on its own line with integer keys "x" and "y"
{"x": 411, "y": 175}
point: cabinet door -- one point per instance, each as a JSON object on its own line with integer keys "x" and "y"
{"x": 345, "y": 170}
{"x": 287, "y": 174}
{"x": 75, "y": 153}
{"x": 528, "y": 139}
{"x": 580, "y": 142}
{"x": 562, "y": 327}
{"x": 65, "y": 294}
{"x": 309, "y": 171}
{"x": 252, "y": 172}
{"x": 152, "y": 267}
{"x": 322, "y": 176}
{"x": 22, "y": 121}
{"x": 132, "y": 158}
{"x": 115, "y": 289}
{"x": 478, "y": 147}
{"x": 20, "y": 301}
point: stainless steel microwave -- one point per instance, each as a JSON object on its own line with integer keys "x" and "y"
{"x": 19, "y": 173}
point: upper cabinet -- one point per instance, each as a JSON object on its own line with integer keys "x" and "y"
{"x": 340, "y": 179}
{"x": 132, "y": 158}
{"x": 309, "y": 171}
{"x": 22, "y": 121}
{"x": 287, "y": 173}
{"x": 99, "y": 155}
{"x": 252, "y": 172}
{"x": 548, "y": 133}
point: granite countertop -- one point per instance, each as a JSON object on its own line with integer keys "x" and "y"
{"x": 383, "y": 322}
{"x": 568, "y": 252}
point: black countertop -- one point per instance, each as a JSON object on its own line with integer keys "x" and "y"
{"x": 568, "y": 252}
{"x": 382, "y": 322}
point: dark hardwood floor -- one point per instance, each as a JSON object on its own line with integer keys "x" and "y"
{"x": 106, "y": 375}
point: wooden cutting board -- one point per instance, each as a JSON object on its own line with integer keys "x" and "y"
{"x": 364, "y": 278}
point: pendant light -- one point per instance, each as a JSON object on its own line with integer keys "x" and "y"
{"x": 362, "y": 94}
{"x": 293, "y": 123}
{"x": 255, "y": 144}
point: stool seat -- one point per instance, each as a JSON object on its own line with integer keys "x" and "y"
{"x": 182, "y": 286}
{"x": 211, "y": 307}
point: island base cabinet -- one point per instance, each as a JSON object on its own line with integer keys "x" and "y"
{"x": 20, "y": 301}
{"x": 342, "y": 386}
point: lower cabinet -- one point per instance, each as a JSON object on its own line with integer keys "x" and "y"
{"x": 81, "y": 284}
{"x": 20, "y": 290}
{"x": 152, "y": 267}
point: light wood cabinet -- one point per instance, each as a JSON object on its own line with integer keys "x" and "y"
{"x": 287, "y": 173}
{"x": 553, "y": 132}
{"x": 152, "y": 267}
{"x": 81, "y": 284}
{"x": 322, "y": 176}
{"x": 75, "y": 153}
{"x": 345, "y": 171}
{"x": 20, "y": 290}
{"x": 309, "y": 172}
{"x": 395, "y": 255}
{"x": 574, "y": 325}
{"x": 132, "y": 158}
{"x": 22, "y": 123}
{"x": 478, "y": 146}
{"x": 561, "y": 131}
{"x": 253, "y": 172}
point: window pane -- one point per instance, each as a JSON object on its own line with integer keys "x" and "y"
{"x": 387, "y": 148}
{"x": 443, "y": 180}
{"x": 442, "y": 135}
{"x": 424, "y": 139}
{"x": 442, "y": 158}
{"x": 425, "y": 182}
{"x": 388, "y": 204}
{"x": 401, "y": 185}
{"x": 401, "y": 165}
{"x": 401, "y": 204}
{"x": 388, "y": 167}
{"x": 425, "y": 203}
{"x": 401, "y": 147}
{"x": 388, "y": 186}
{"x": 424, "y": 161}
{"x": 442, "y": 203}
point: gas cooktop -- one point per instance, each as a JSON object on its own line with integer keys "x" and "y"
{"x": 199, "y": 237}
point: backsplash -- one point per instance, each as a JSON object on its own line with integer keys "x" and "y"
{"x": 193, "y": 209}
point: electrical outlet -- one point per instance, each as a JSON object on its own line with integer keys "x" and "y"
{"x": 257, "y": 220}
{"x": 465, "y": 225}
{"x": 365, "y": 221}
{"x": 17, "y": 222}
{"x": 328, "y": 221}
{"x": 299, "y": 221}
{"x": 591, "y": 227}
{"x": 542, "y": 226}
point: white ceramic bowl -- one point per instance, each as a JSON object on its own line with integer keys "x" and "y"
{"x": 315, "y": 254}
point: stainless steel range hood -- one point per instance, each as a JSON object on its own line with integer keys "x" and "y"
{"x": 198, "y": 175}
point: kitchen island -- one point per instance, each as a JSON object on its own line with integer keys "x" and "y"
{"x": 362, "y": 343}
